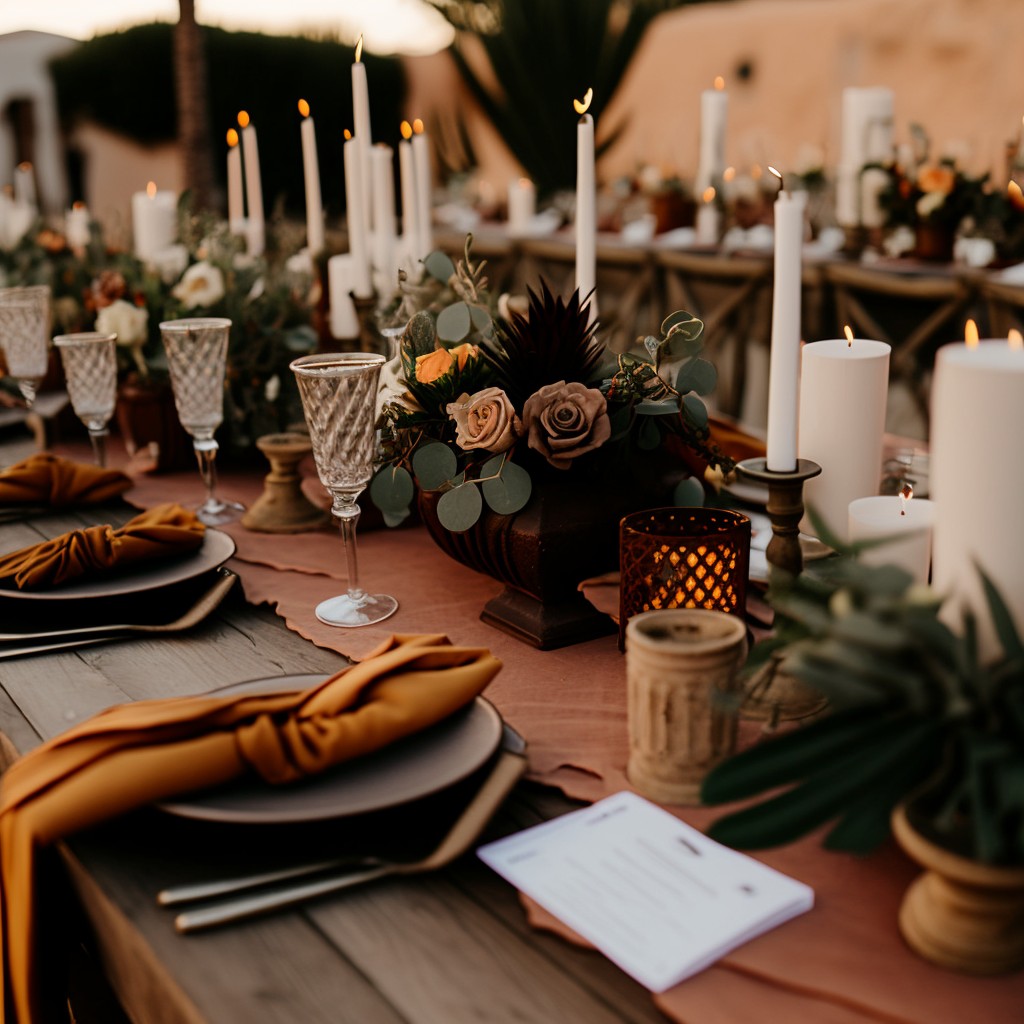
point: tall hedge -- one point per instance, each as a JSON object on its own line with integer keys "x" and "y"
{"x": 124, "y": 81}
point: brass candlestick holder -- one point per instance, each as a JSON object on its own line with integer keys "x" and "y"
{"x": 282, "y": 507}
{"x": 774, "y": 696}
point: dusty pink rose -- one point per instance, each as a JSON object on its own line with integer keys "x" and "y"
{"x": 485, "y": 420}
{"x": 565, "y": 421}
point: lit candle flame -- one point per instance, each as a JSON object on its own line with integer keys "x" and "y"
{"x": 756, "y": 172}
{"x": 1015, "y": 339}
{"x": 347, "y": 134}
{"x": 1015, "y": 191}
{"x": 417, "y": 125}
{"x": 719, "y": 83}
{"x": 232, "y": 137}
{"x": 243, "y": 119}
{"x": 582, "y": 106}
{"x": 778, "y": 174}
{"x": 971, "y": 334}
{"x": 25, "y": 166}
{"x": 151, "y": 189}
{"x": 729, "y": 174}
{"x": 906, "y": 493}
{"x": 708, "y": 194}
{"x": 849, "y": 335}
{"x": 303, "y": 108}
{"x": 359, "y": 48}
{"x": 406, "y": 130}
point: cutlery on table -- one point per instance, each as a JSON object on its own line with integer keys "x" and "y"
{"x": 506, "y": 772}
{"x": 32, "y": 643}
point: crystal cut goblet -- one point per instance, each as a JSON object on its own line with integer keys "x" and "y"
{"x": 90, "y": 368}
{"x": 339, "y": 392}
{"x": 25, "y": 336}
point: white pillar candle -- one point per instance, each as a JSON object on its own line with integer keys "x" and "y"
{"x": 977, "y": 480}
{"x": 843, "y": 389}
{"x": 77, "y": 229}
{"x": 889, "y": 515}
{"x": 253, "y": 186}
{"x": 522, "y": 206}
{"x": 407, "y": 178}
{"x": 355, "y": 213}
{"x": 784, "y": 369}
{"x": 363, "y": 132}
{"x": 424, "y": 191}
{"x": 236, "y": 201}
{"x": 873, "y": 183}
{"x": 25, "y": 184}
{"x": 154, "y": 220}
{"x": 714, "y": 109}
{"x": 311, "y": 174}
{"x": 385, "y": 261}
{"x": 708, "y": 219}
{"x": 586, "y": 209}
{"x": 344, "y": 321}
{"x": 867, "y": 120}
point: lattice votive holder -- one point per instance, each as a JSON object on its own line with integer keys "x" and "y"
{"x": 682, "y": 558}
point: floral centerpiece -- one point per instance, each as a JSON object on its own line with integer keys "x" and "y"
{"x": 526, "y": 427}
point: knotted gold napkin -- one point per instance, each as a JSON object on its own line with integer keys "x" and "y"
{"x": 135, "y": 754}
{"x": 160, "y": 532}
{"x": 45, "y": 479}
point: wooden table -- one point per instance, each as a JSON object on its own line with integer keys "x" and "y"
{"x": 449, "y": 947}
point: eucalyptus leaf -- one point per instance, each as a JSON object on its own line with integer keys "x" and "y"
{"x": 300, "y": 339}
{"x": 689, "y": 493}
{"x": 663, "y": 407}
{"x": 679, "y": 346}
{"x": 460, "y": 508}
{"x": 481, "y": 319}
{"x": 394, "y": 519}
{"x": 434, "y": 464}
{"x": 683, "y": 324}
{"x": 508, "y": 492}
{"x": 454, "y": 322}
{"x": 392, "y": 490}
{"x": 696, "y": 411}
{"x": 697, "y": 375}
{"x": 440, "y": 266}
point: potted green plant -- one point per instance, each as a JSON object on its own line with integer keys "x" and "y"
{"x": 922, "y": 736}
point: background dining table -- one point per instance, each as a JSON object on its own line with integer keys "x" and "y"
{"x": 450, "y": 946}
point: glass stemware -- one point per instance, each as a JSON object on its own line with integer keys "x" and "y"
{"x": 90, "y": 367}
{"x": 339, "y": 392}
{"x": 25, "y": 335}
{"x": 197, "y": 352}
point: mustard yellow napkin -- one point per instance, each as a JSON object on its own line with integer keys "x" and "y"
{"x": 135, "y": 754}
{"x": 160, "y": 532}
{"x": 45, "y": 479}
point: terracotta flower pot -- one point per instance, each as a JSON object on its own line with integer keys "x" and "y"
{"x": 960, "y": 913}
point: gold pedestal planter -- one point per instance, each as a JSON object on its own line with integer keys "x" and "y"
{"x": 681, "y": 667}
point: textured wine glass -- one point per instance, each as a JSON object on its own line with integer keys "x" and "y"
{"x": 25, "y": 335}
{"x": 90, "y": 368}
{"x": 339, "y": 393}
{"x": 197, "y": 353}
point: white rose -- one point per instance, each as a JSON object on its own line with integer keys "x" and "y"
{"x": 130, "y": 323}
{"x": 201, "y": 285}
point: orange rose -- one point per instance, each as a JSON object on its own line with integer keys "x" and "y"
{"x": 463, "y": 353}
{"x": 433, "y": 365}
{"x": 936, "y": 178}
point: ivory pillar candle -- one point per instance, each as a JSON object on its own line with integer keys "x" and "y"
{"x": 424, "y": 190}
{"x": 586, "y": 209}
{"x": 867, "y": 119}
{"x": 344, "y": 321}
{"x": 154, "y": 220}
{"x": 714, "y": 109}
{"x": 977, "y": 480}
{"x": 236, "y": 200}
{"x": 385, "y": 261}
{"x": 889, "y": 515}
{"x": 411, "y": 247}
{"x": 522, "y": 206}
{"x": 355, "y": 212}
{"x": 784, "y": 369}
{"x": 843, "y": 389}
{"x": 311, "y": 174}
{"x": 253, "y": 186}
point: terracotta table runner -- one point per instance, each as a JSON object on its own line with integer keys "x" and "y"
{"x": 842, "y": 963}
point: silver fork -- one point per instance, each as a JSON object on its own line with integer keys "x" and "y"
{"x": 507, "y": 770}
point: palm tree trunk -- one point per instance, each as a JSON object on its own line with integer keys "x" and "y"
{"x": 193, "y": 117}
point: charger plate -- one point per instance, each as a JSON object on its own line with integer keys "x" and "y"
{"x": 410, "y": 769}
